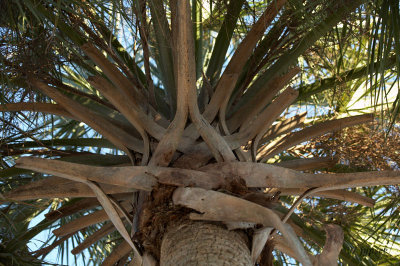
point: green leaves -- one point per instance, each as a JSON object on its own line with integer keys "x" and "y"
{"x": 223, "y": 41}
{"x": 164, "y": 51}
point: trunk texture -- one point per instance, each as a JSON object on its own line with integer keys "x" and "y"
{"x": 199, "y": 243}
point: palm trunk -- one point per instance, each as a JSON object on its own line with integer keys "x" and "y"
{"x": 199, "y": 243}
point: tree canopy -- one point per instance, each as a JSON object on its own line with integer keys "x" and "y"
{"x": 107, "y": 102}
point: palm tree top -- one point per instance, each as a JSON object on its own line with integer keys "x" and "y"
{"x": 122, "y": 117}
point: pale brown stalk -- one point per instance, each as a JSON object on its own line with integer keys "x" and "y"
{"x": 78, "y": 172}
{"x": 81, "y": 222}
{"x": 126, "y": 177}
{"x": 117, "y": 136}
{"x": 93, "y": 238}
{"x": 261, "y": 100}
{"x": 283, "y": 246}
{"x": 118, "y": 253}
{"x": 332, "y": 247}
{"x": 270, "y": 114}
{"x": 227, "y": 82}
{"x": 132, "y": 112}
{"x": 217, "y": 206}
{"x": 200, "y": 155}
{"x": 265, "y": 175}
{"x": 330, "y": 253}
{"x": 339, "y": 194}
{"x": 228, "y": 79}
{"x": 114, "y": 216}
{"x": 185, "y": 81}
{"x": 85, "y": 221}
{"x": 197, "y": 157}
{"x": 144, "y": 32}
{"x": 284, "y": 127}
{"x": 308, "y": 133}
{"x": 265, "y": 119}
{"x": 117, "y": 206}
{"x": 260, "y": 237}
{"x": 49, "y": 108}
{"x": 66, "y": 189}
{"x": 128, "y": 109}
{"x": 83, "y": 204}
{"x": 121, "y": 82}
{"x": 46, "y": 250}
{"x": 186, "y": 56}
{"x": 308, "y": 163}
{"x": 65, "y": 210}
{"x": 264, "y": 235}
{"x": 298, "y": 202}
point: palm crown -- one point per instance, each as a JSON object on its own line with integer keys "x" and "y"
{"x": 141, "y": 115}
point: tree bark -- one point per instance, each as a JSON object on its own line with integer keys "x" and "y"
{"x": 200, "y": 243}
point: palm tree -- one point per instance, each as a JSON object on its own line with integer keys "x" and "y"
{"x": 134, "y": 122}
